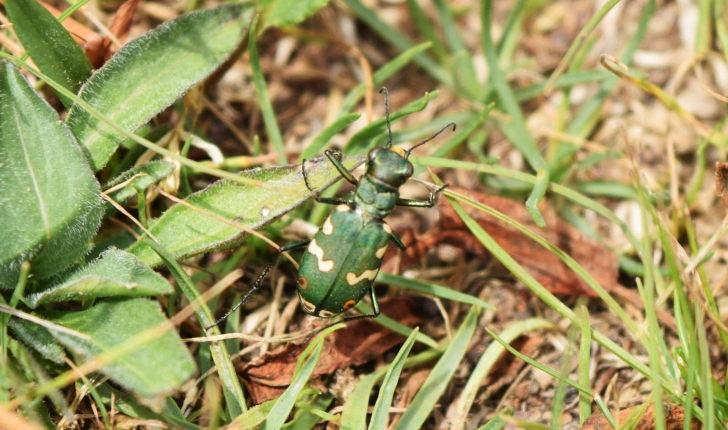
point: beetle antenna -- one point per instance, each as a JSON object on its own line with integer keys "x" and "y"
{"x": 386, "y": 114}
{"x": 407, "y": 153}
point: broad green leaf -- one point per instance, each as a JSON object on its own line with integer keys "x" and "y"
{"x": 380, "y": 415}
{"x": 282, "y": 13}
{"x": 38, "y": 338}
{"x": 115, "y": 274}
{"x": 50, "y": 207}
{"x": 149, "y": 174}
{"x": 185, "y": 232}
{"x": 151, "y": 72}
{"x": 424, "y": 401}
{"x": 50, "y": 46}
{"x": 152, "y": 370}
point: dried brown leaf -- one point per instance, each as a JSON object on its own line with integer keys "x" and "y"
{"x": 721, "y": 178}
{"x": 359, "y": 342}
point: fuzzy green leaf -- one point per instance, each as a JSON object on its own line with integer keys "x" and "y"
{"x": 152, "y": 370}
{"x": 38, "y": 338}
{"x": 185, "y": 232}
{"x": 50, "y": 207}
{"x": 151, "y": 72}
{"x": 282, "y": 13}
{"x": 49, "y": 44}
{"x": 115, "y": 274}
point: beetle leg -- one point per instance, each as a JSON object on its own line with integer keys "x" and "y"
{"x": 375, "y": 302}
{"x": 397, "y": 241}
{"x": 334, "y": 157}
{"x": 259, "y": 281}
{"x": 305, "y": 177}
{"x": 414, "y": 203}
{"x": 335, "y": 200}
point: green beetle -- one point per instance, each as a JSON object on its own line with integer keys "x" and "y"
{"x": 342, "y": 260}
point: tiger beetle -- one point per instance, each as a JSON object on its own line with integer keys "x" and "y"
{"x": 341, "y": 262}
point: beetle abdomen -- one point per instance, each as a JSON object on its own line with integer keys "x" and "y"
{"x": 341, "y": 262}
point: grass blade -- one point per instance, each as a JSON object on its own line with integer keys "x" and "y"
{"x": 428, "y": 395}
{"x": 380, "y": 414}
{"x": 266, "y": 108}
{"x": 431, "y": 289}
{"x": 398, "y": 40}
{"x": 232, "y": 391}
{"x": 516, "y": 129}
{"x": 279, "y": 413}
{"x": 486, "y": 363}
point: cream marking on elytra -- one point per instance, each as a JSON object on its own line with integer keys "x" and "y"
{"x": 323, "y": 265}
{"x": 326, "y": 314}
{"x": 343, "y": 208}
{"x": 387, "y": 228}
{"x": 352, "y": 279}
{"x": 328, "y": 227}
{"x": 309, "y": 306}
{"x": 380, "y": 252}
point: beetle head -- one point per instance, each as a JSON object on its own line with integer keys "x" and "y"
{"x": 389, "y": 165}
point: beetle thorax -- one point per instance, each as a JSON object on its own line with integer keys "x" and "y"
{"x": 374, "y": 197}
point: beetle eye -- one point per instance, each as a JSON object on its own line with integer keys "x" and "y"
{"x": 373, "y": 153}
{"x": 410, "y": 170}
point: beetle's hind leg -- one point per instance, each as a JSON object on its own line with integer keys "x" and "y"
{"x": 259, "y": 281}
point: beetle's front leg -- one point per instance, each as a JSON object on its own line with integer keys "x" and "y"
{"x": 335, "y": 158}
{"x": 414, "y": 203}
{"x": 336, "y": 200}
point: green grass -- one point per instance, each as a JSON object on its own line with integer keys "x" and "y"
{"x": 669, "y": 251}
